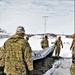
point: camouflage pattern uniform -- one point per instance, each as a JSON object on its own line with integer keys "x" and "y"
{"x": 73, "y": 55}
{"x": 18, "y": 54}
{"x": 72, "y": 69}
{"x": 73, "y": 45}
{"x": 2, "y": 61}
{"x": 44, "y": 43}
{"x": 58, "y": 44}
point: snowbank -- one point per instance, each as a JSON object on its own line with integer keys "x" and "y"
{"x": 61, "y": 67}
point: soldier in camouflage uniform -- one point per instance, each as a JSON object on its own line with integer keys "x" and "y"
{"x": 18, "y": 54}
{"x": 58, "y": 44}
{"x": 73, "y": 55}
{"x": 44, "y": 43}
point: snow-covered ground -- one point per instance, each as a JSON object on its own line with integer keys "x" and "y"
{"x": 2, "y": 40}
{"x": 35, "y": 45}
{"x": 61, "y": 67}
{"x": 65, "y": 52}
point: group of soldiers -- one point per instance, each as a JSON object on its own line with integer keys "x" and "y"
{"x": 57, "y": 48}
{"x": 58, "y": 44}
{"x": 16, "y": 53}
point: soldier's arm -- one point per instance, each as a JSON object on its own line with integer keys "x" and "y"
{"x": 2, "y": 57}
{"x": 28, "y": 57}
{"x": 48, "y": 43}
{"x": 71, "y": 44}
{"x": 42, "y": 44}
{"x": 61, "y": 43}
{"x": 55, "y": 42}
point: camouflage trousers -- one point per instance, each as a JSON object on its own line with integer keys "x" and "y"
{"x": 73, "y": 69}
{"x": 73, "y": 52}
{"x": 57, "y": 51}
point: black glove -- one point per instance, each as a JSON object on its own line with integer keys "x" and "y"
{"x": 73, "y": 60}
{"x": 62, "y": 46}
{"x": 1, "y": 68}
{"x": 70, "y": 48}
{"x": 42, "y": 46}
{"x": 31, "y": 72}
{"x": 2, "y": 71}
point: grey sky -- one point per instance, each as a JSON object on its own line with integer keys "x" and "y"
{"x": 29, "y": 13}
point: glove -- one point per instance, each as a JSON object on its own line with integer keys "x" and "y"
{"x": 73, "y": 60}
{"x": 1, "y": 68}
{"x": 62, "y": 46}
{"x": 31, "y": 72}
{"x": 70, "y": 48}
{"x": 42, "y": 46}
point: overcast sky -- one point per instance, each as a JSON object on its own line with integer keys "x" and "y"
{"x": 30, "y": 14}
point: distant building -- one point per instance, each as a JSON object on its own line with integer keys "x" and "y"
{"x": 68, "y": 36}
{"x": 3, "y": 34}
{"x": 62, "y": 35}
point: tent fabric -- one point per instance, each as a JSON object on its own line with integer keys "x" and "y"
{"x": 59, "y": 67}
{"x": 42, "y": 53}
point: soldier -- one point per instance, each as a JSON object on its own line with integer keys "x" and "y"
{"x": 18, "y": 54}
{"x": 73, "y": 55}
{"x": 28, "y": 72}
{"x": 58, "y": 44}
{"x": 44, "y": 43}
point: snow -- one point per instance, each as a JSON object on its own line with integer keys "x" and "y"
{"x": 59, "y": 68}
{"x": 2, "y": 40}
{"x": 65, "y": 52}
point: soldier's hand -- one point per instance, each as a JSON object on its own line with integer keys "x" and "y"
{"x": 62, "y": 46}
{"x": 42, "y": 46}
{"x": 70, "y": 48}
{"x": 31, "y": 72}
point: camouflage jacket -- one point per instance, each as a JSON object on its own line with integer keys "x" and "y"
{"x": 2, "y": 56}
{"x": 73, "y": 43}
{"x": 58, "y": 43}
{"x": 18, "y": 55}
{"x": 44, "y": 43}
{"x": 73, "y": 47}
